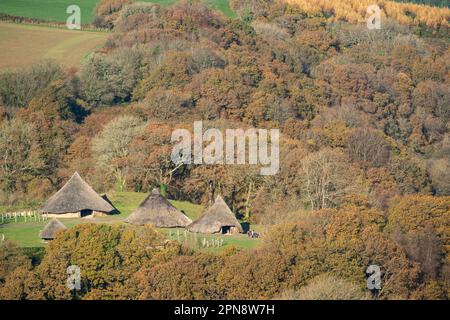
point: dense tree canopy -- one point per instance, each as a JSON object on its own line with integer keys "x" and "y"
{"x": 364, "y": 149}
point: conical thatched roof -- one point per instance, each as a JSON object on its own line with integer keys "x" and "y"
{"x": 76, "y": 195}
{"x": 217, "y": 216}
{"x": 157, "y": 211}
{"x": 106, "y": 198}
{"x": 51, "y": 229}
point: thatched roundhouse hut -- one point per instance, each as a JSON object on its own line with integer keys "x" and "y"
{"x": 155, "y": 210}
{"x": 76, "y": 199}
{"x": 217, "y": 219}
{"x": 50, "y": 230}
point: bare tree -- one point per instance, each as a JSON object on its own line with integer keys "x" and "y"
{"x": 17, "y": 156}
{"x": 112, "y": 145}
{"x": 439, "y": 170}
{"x": 424, "y": 247}
{"x": 327, "y": 287}
{"x": 326, "y": 177}
{"x": 368, "y": 147}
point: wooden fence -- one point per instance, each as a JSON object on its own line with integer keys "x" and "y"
{"x": 23, "y": 216}
{"x": 192, "y": 240}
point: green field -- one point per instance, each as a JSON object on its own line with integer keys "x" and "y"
{"x": 50, "y": 10}
{"x": 55, "y": 10}
{"x": 26, "y": 233}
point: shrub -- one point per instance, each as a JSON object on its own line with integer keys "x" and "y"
{"x": 18, "y": 87}
{"x": 107, "y": 80}
{"x": 106, "y": 12}
{"x": 368, "y": 147}
{"x": 107, "y": 256}
{"x": 327, "y": 287}
{"x": 11, "y": 257}
{"x": 183, "y": 278}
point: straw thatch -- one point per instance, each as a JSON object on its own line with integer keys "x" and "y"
{"x": 217, "y": 219}
{"x": 106, "y": 198}
{"x": 51, "y": 229}
{"x": 74, "y": 197}
{"x": 158, "y": 212}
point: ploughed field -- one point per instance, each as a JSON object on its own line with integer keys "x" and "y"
{"x": 24, "y": 44}
{"x": 26, "y": 233}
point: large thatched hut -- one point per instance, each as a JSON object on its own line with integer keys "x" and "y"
{"x": 155, "y": 210}
{"x": 50, "y": 230}
{"x": 217, "y": 219}
{"x": 76, "y": 199}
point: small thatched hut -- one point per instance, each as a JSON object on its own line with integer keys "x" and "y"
{"x": 158, "y": 212}
{"x": 217, "y": 219}
{"x": 50, "y": 230}
{"x": 76, "y": 199}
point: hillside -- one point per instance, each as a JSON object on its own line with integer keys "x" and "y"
{"x": 352, "y": 122}
{"x": 405, "y": 12}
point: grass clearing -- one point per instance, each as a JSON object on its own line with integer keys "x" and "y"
{"x": 55, "y": 10}
{"x": 223, "y": 6}
{"x": 26, "y": 233}
{"x": 196, "y": 240}
{"x": 24, "y": 44}
{"x": 193, "y": 211}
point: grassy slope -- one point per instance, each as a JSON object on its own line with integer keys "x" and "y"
{"x": 26, "y": 234}
{"x": 55, "y": 10}
{"x": 25, "y": 44}
{"x": 223, "y": 6}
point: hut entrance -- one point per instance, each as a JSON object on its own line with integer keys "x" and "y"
{"x": 226, "y": 230}
{"x": 85, "y": 213}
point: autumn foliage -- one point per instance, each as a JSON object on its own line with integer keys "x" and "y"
{"x": 355, "y": 11}
{"x": 364, "y": 149}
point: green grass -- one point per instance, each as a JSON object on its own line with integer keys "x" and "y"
{"x": 193, "y": 211}
{"x": 50, "y": 10}
{"x": 195, "y": 241}
{"x": 18, "y": 208}
{"x": 55, "y": 10}
{"x": 223, "y": 6}
{"x": 26, "y": 233}
{"x": 126, "y": 202}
